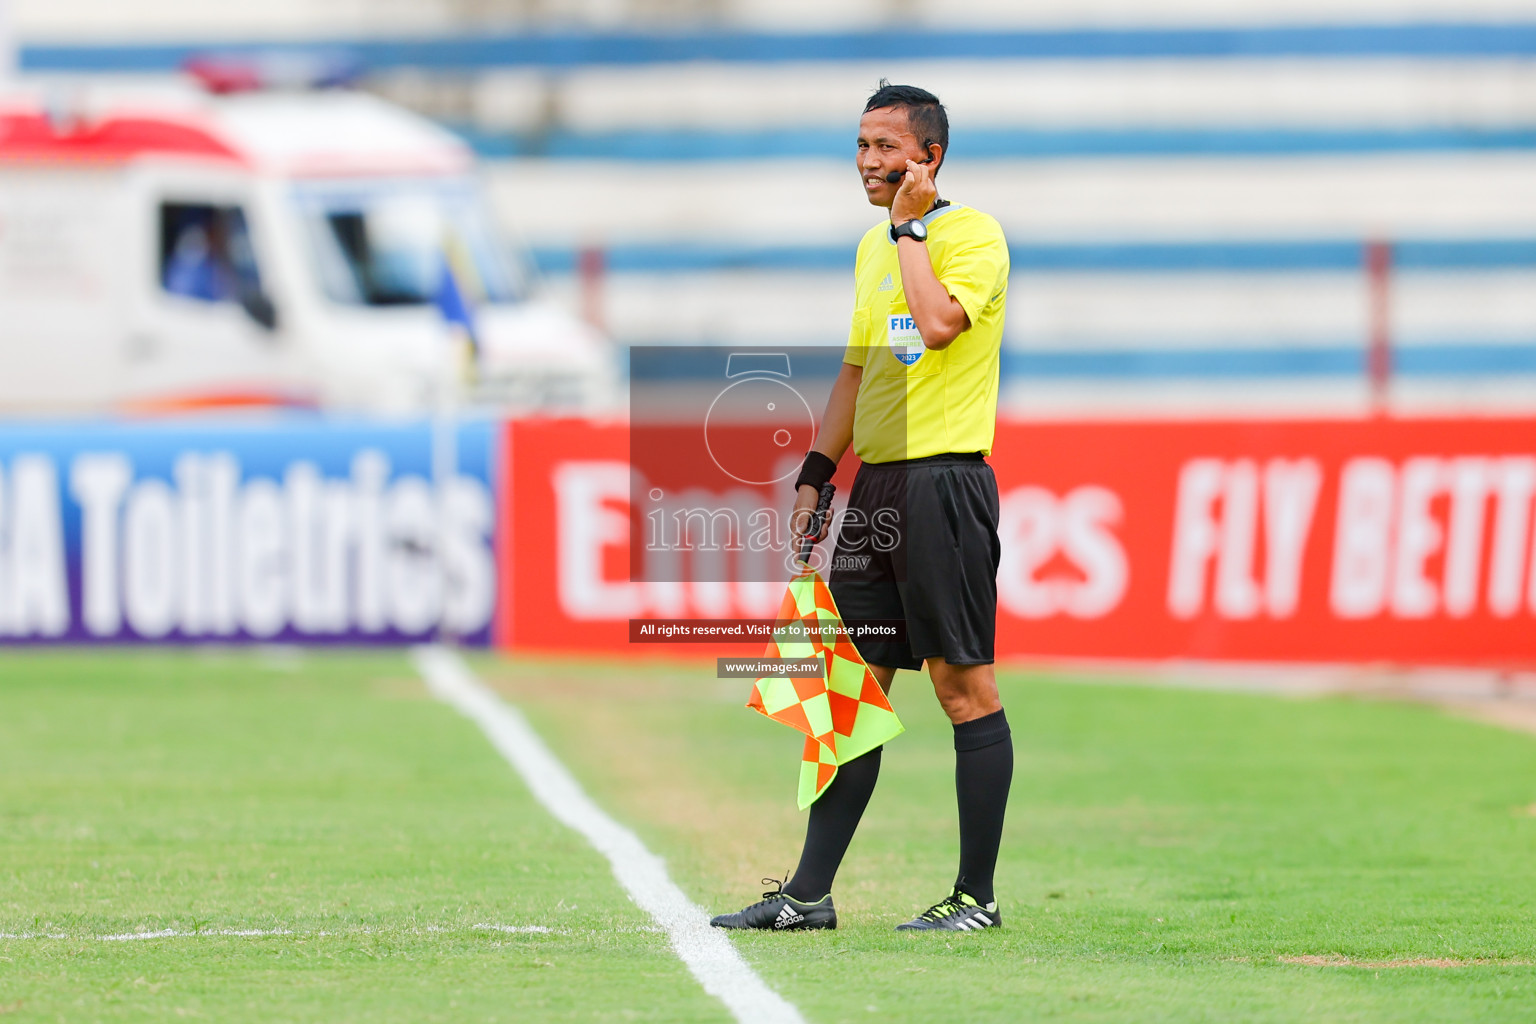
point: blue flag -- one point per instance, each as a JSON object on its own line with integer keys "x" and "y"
{"x": 450, "y": 302}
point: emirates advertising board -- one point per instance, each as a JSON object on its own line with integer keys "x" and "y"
{"x": 1406, "y": 541}
{"x": 304, "y": 530}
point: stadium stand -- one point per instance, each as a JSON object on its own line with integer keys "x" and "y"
{"x": 157, "y": 20}
{"x": 1190, "y": 191}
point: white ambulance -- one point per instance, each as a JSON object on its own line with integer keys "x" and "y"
{"x": 173, "y": 247}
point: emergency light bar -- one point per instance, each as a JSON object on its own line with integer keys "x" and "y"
{"x": 223, "y": 74}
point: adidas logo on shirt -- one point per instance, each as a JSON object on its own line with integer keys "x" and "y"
{"x": 887, "y": 285}
{"x": 787, "y": 917}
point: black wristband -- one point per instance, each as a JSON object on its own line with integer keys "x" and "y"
{"x": 817, "y": 470}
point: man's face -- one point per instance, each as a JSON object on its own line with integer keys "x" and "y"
{"x": 885, "y": 145}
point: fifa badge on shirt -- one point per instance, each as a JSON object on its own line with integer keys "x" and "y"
{"x": 904, "y": 338}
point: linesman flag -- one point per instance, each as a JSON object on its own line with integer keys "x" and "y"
{"x": 843, "y": 712}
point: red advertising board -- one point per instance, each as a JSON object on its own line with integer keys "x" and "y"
{"x": 1404, "y": 541}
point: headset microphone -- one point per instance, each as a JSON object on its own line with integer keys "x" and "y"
{"x": 895, "y": 176}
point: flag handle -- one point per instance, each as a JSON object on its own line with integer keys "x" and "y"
{"x": 823, "y": 507}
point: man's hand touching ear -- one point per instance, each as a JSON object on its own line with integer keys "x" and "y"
{"x": 916, "y": 194}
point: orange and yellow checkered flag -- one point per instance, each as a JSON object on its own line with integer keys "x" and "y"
{"x": 844, "y": 713}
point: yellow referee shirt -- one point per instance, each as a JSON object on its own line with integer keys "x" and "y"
{"x": 913, "y": 401}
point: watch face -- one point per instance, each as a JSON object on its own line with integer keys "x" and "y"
{"x": 919, "y": 229}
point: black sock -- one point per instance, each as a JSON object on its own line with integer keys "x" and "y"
{"x": 983, "y": 771}
{"x": 834, "y": 816}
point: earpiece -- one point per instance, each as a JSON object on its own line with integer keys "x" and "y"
{"x": 896, "y": 176}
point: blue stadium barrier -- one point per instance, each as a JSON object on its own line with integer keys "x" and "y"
{"x": 1338, "y": 255}
{"x": 995, "y": 143}
{"x": 1442, "y": 359}
{"x": 1238, "y": 362}
{"x": 567, "y": 49}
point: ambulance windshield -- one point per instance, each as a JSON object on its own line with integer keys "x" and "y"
{"x": 406, "y": 244}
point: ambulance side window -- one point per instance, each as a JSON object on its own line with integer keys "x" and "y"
{"x": 205, "y": 253}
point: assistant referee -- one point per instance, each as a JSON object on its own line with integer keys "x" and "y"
{"x": 917, "y": 399}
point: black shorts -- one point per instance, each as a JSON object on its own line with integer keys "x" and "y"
{"x": 919, "y": 543}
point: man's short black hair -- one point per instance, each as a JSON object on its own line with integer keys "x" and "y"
{"x": 925, "y": 114}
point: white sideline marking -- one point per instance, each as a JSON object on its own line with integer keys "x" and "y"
{"x": 706, "y": 951}
{"x": 172, "y": 933}
{"x": 167, "y": 933}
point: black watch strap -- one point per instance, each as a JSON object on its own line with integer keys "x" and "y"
{"x": 905, "y": 230}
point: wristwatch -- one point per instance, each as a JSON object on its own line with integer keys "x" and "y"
{"x": 911, "y": 229}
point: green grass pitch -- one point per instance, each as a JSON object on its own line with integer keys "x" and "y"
{"x": 1170, "y": 855}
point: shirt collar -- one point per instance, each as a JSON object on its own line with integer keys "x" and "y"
{"x": 940, "y": 208}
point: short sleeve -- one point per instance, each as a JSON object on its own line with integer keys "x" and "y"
{"x": 857, "y": 352}
{"x": 975, "y": 269}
